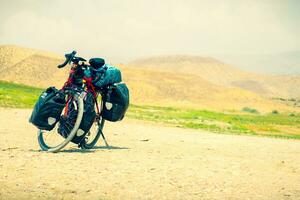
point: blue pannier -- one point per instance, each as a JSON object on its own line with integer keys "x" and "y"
{"x": 67, "y": 122}
{"x": 116, "y": 103}
{"x": 48, "y": 108}
{"x": 109, "y": 75}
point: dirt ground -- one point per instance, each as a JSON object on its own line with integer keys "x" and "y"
{"x": 147, "y": 161}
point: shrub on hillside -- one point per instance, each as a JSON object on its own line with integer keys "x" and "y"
{"x": 250, "y": 110}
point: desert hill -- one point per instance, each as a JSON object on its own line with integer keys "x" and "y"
{"x": 31, "y": 67}
{"x": 222, "y": 74}
{"x": 169, "y": 88}
{"x": 177, "y": 86}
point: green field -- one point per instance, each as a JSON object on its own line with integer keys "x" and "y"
{"x": 286, "y": 125}
{"x": 248, "y": 121}
{"x": 18, "y": 96}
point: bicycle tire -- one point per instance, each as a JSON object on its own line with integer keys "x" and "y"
{"x": 91, "y": 144}
{"x": 46, "y": 147}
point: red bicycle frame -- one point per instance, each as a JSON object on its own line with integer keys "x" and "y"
{"x": 89, "y": 87}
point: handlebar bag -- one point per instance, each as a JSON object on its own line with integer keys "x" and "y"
{"x": 97, "y": 62}
{"x": 48, "y": 108}
{"x": 110, "y": 76}
{"x": 116, "y": 103}
{"x": 67, "y": 122}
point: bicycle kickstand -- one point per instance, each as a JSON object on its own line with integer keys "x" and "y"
{"x": 104, "y": 139}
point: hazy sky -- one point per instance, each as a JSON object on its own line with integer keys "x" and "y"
{"x": 126, "y": 29}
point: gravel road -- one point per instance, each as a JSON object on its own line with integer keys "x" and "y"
{"x": 147, "y": 161}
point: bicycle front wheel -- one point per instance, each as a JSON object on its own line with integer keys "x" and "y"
{"x": 51, "y": 141}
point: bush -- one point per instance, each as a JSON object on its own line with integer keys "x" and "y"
{"x": 292, "y": 115}
{"x": 250, "y": 110}
{"x": 275, "y": 112}
{"x": 282, "y": 99}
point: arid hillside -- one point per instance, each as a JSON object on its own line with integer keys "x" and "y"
{"x": 31, "y": 67}
{"x": 223, "y": 74}
{"x": 169, "y": 81}
{"x": 175, "y": 89}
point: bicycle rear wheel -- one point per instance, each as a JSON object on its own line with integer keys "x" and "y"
{"x": 52, "y": 141}
{"x": 94, "y": 134}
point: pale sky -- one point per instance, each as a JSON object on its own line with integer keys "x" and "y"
{"x": 126, "y": 29}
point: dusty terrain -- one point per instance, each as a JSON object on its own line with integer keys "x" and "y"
{"x": 147, "y": 161}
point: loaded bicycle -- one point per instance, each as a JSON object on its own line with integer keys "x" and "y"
{"x": 77, "y": 112}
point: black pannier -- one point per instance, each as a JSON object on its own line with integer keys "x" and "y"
{"x": 48, "y": 108}
{"x": 116, "y": 103}
{"x": 108, "y": 76}
{"x": 67, "y": 122}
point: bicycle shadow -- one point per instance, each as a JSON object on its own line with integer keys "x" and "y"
{"x": 78, "y": 150}
{"x": 66, "y": 151}
{"x": 93, "y": 150}
{"x": 110, "y": 147}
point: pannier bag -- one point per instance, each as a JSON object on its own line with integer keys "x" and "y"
{"x": 110, "y": 76}
{"x": 116, "y": 103}
{"x": 67, "y": 122}
{"x": 48, "y": 108}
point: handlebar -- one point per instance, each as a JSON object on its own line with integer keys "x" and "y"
{"x": 69, "y": 57}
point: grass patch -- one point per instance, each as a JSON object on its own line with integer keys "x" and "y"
{"x": 18, "y": 96}
{"x": 272, "y": 124}
{"x": 258, "y": 124}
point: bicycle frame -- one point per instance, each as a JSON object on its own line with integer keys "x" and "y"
{"x": 87, "y": 86}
